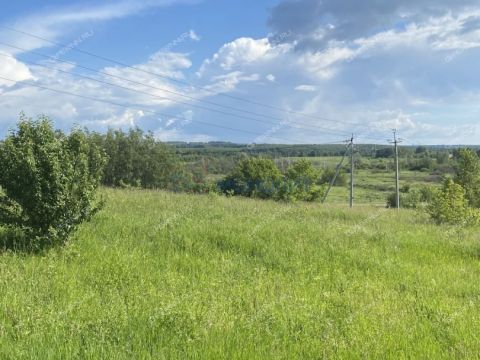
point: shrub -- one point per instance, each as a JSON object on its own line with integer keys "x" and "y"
{"x": 252, "y": 175}
{"x": 260, "y": 178}
{"x": 302, "y": 172}
{"x": 450, "y": 206}
{"x": 328, "y": 175}
{"x": 49, "y": 180}
{"x": 305, "y": 179}
{"x": 412, "y": 198}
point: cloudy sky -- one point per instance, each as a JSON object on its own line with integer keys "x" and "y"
{"x": 296, "y": 71}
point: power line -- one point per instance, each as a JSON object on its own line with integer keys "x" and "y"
{"x": 163, "y": 76}
{"x": 154, "y": 112}
{"x": 332, "y": 132}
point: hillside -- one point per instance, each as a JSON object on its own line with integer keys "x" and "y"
{"x": 161, "y": 275}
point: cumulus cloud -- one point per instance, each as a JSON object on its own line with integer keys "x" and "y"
{"x": 371, "y": 65}
{"x": 313, "y": 23}
{"x": 11, "y": 68}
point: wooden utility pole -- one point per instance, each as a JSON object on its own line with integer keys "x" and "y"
{"x": 397, "y": 168}
{"x": 352, "y": 168}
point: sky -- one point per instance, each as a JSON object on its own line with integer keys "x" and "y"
{"x": 250, "y": 71}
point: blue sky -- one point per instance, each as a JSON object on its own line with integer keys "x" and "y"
{"x": 296, "y": 71}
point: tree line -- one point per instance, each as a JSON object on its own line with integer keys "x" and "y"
{"x": 49, "y": 179}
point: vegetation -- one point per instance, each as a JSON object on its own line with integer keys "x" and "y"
{"x": 468, "y": 175}
{"x": 165, "y": 275}
{"x": 458, "y": 201}
{"x": 259, "y": 177}
{"x": 159, "y": 275}
{"x": 136, "y": 159}
{"x": 49, "y": 181}
{"x": 451, "y": 206}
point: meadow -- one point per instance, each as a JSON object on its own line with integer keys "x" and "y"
{"x": 173, "y": 276}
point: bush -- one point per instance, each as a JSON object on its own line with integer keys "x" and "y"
{"x": 450, "y": 206}
{"x": 305, "y": 179}
{"x": 328, "y": 175}
{"x": 252, "y": 176}
{"x": 49, "y": 180}
{"x": 260, "y": 178}
{"x": 408, "y": 200}
{"x": 412, "y": 198}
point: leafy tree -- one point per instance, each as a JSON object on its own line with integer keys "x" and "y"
{"x": 250, "y": 175}
{"x": 305, "y": 178}
{"x": 468, "y": 175}
{"x": 303, "y": 172}
{"x": 450, "y": 206}
{"x": 258, "y": 177}
{"x": 49, "y": 180}
{"x": 138, "y": 160}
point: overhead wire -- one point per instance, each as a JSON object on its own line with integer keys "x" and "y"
{"x": 286, "y": 123}
{"x": 154, "y": 112}
{"x": 163, "y": 76}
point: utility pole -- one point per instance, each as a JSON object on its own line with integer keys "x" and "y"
{"x": 352, "y": 168}
{"x": 397, "y": 168}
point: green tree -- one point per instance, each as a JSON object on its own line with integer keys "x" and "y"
{"x": 49, "y": 180}
{"x": 450, "y": 206}
{"x": 136, "y": 159}
{"x": 305, "y": 179}
{"x": 251, "y": 174}
{"x": 468, "y": 175}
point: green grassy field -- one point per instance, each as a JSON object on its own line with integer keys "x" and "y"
{"x": 161, "y": 276}
{"x": 372, "y": 187}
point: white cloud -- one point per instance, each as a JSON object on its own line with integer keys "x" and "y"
{"x": 241, "y": 52}
{"x": 180, "y": 135}
{"x": 11, "y": 68}
{"x": 270, "y": 77}
{"x": 380, "y": 81}
{"x": 127, "y": 119}
{"x": 306, "y": 88}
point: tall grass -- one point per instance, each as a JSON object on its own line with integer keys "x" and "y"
{"x": 159, "y": 275}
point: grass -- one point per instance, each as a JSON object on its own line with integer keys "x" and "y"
{"x": 162, "y": 276}
{"x": 371, "y": 186}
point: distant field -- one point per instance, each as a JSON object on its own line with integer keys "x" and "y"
{"x": 371, "y": 186}
{"x": 161, "y": 276}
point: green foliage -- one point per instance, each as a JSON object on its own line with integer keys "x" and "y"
{"x": 384, "y": 153}
{"x": 260, "y": 178}
{"x": 138, "y": 160}
{"x": 450, "y": 206}
{"x": 303, "y": 172}
{"x": 329, "y": 173}
{"x": 306, "y": 179}
{"x": 252, "y": 176}
{"x": 468, "y": 175}
{"x": 49, "y": 180}
{"x": 412, "y": 198}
